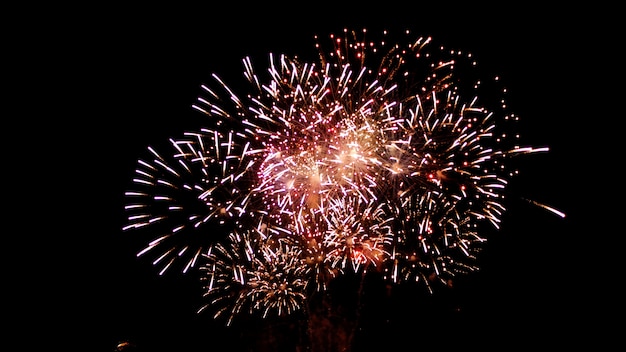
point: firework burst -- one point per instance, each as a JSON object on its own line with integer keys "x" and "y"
{"x": 249, "y": 272}
{"x": 374, "y": 155}
{"x": 194, "y": 196}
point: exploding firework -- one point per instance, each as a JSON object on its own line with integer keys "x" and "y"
{"x": 249, "y": 272}
{"x": 194, "y": 196}
{"x": 373, "y": 156}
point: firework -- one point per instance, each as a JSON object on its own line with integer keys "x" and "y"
{"x": 193, "y": 196}
{"x": 373, "y": 156}
{"x": 253, "y": 273}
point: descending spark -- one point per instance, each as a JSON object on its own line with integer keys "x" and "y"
{"x": 547, "y": 207}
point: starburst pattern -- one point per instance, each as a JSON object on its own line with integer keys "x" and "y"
{"x": 194, "y": 196}
{"x": 253, "y": 273}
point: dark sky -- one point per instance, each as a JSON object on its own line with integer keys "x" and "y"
{"x": 134, "y": 74}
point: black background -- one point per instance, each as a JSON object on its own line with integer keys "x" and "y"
{"x": 103, "y": 83}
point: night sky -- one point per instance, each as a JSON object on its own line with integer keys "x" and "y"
{"x": 133, "y": 75}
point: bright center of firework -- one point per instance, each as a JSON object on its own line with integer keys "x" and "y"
{"x": 322, "y": 159}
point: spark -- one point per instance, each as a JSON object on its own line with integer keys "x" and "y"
{"x": 547, "y": 207}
